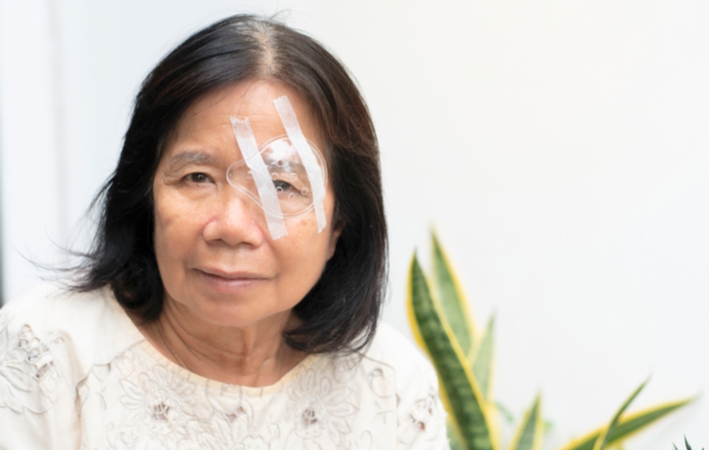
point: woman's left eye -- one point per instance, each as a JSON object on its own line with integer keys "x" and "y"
{"x": 282, "y": 186}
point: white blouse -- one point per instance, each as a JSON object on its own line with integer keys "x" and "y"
{"x": 76, "y": 373}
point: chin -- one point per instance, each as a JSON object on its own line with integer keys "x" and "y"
{"x": 243, "y": 316}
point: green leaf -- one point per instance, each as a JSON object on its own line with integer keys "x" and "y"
{"x": 604, "y": 436}
{"x": 548, "y": 425}
{"x": 449, "y": 293}
{"x": 483, "y": 361}
{"x": 687, "y": 446}
{"x": 461, "y": 394}
{"x": 454, "y": 441}
{"x": 505, "y": 412}
{"x": 627, "y": 426}
{"x": 529, "y": 433}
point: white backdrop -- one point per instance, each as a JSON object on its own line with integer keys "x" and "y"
{"x": 560, "y": 149}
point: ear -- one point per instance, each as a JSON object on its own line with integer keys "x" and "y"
{"x": 334, "y": 236}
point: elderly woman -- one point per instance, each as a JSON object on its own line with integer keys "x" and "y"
{"x": 231, "y": 299}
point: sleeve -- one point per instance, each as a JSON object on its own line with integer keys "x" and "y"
{"x": 36, "y": 408}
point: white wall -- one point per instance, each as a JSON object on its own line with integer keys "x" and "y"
{"x": 560, "y": 148}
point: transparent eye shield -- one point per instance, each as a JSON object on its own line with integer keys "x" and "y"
{"x": 286, "y": 176}
{"x": 278, "y": 163}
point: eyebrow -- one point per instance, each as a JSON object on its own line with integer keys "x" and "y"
{"x": 186, "y": 157}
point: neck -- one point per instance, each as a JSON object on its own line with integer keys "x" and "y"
{"x": 255, "y": 356}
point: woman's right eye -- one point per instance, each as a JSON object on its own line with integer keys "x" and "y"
{"x": 198, "y": 177}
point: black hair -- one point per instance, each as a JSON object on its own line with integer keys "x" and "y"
{"x": 340, "y": 312}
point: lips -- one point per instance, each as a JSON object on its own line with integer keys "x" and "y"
{"x": 230, "y": 282}
{"x": 232, "y": 275}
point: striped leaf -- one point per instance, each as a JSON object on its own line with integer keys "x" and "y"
{"x": 604, "y": 436}
{"x": 454, "y": 442}
{"x": 450, "y": 295}
{"x": 530, "y": 432}
{"x": 628, "y": 425}
{"x": 460, "y": 392}
{"x": 482, "y": 364}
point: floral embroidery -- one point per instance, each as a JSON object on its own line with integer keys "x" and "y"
{"x": 28, "y": 376}
{"x": 234, "y": 432}
{"x": 423, "y": 419}
{"x": 158, "y": 409}
{"x": 318, "y": 407}
{"x": 134, "y": 399}
{"x": 380, "y": 385}
{"x": 95, "y": 385}
{"x": 234, "y": 424}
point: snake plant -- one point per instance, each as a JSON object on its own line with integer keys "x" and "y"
{"x": 687, "y": 446}
{"x": 463, "y": 356}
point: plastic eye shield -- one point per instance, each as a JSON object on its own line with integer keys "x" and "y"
{"x": 285, "y": 170}
{"x": 285, "y": 176}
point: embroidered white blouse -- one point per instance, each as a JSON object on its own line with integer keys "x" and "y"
{"x": 75, "y": 373}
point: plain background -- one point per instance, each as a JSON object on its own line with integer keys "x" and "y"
{"x": 560, "y": 148}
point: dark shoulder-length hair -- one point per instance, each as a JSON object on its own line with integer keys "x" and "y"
{"x": 340, "y": 312}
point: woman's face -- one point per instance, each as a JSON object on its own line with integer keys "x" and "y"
{"x": 216, "y": 257}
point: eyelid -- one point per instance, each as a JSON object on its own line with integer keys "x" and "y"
{"x": 296, "y": 185}
{"x": 212, "y": 175}
{"x": 190, "y": 175}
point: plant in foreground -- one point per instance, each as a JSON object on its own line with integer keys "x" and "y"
{"x": 687, "y": 446}
{"x": 463, "y": 357}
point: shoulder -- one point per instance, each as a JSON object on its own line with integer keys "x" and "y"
{"x": 391, "y": 348}
{"x": 50, "y": 339}
{"x": 420, "y": 414}
{"x": 51, "y": 328}
{"x": 53, "y": 309}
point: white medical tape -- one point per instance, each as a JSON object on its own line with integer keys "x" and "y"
{"x": 262, "y": 179}
{"x": 313, "y": 170}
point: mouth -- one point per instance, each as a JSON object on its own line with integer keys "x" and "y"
{"x": 231, "y": 275}
{"x": 230, "y": 282}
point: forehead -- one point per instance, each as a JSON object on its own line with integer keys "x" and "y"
{"x": 208, "y": 119}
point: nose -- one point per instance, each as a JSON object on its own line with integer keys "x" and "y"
{"x": 235, "y": 220}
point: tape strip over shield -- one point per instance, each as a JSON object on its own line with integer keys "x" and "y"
{"x": 305, "y": 152}
{"x": 262, "y": 179}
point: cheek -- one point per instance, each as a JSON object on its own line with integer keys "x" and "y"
{"x": 176, "y": 226}
{"x": 304, "y": 248}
